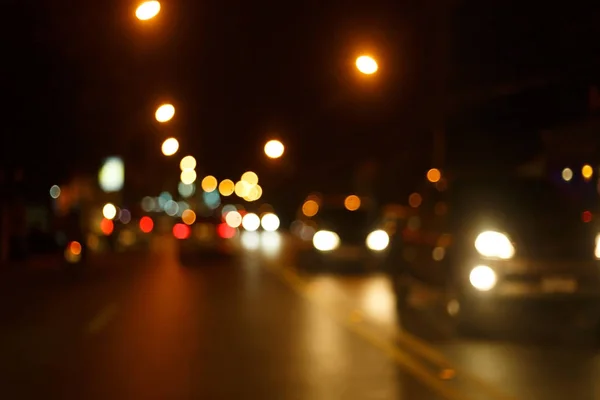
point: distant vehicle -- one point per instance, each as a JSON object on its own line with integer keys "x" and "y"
{"x": 206, "y": 238}
{"x": 340, "y": 232}
{"x": 494, "y": 244}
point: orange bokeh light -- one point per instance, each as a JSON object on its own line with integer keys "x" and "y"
{"x": 107, "y": 226}
{"x": 75, "y": 247}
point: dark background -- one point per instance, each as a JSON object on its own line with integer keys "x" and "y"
{"x": 83, "y": 80}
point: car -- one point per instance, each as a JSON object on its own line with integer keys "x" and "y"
{"x": 206, "y": 239}
{"x": 340, "y": 233}
{"x": 499, "y": 246}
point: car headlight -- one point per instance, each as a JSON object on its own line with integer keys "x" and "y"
{"x": 494, "y": 245}
{"x": 597, "y": 249}
{"x": 378, "y": 240}
{"x": 326, "y": 240}
{"x": 483, "y": 278}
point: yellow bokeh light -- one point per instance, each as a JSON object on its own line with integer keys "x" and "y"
{"x": 187, "y": 162}
{"x": 587, "y": 171}
{"x": 188, "y": 176}
{"x": 259, "y": 192}
{"x": 165, "y": 113}
{"x": 567, "y": 174}
{"x": 310, "y": 208}
{"x": 109, "y": 211}
{"x": 242, "y": 189}
{"x": 209, "y": 183}
{"x": 434, "y": 175}
{"x": 188, "y": 217}
{"x": 367, "y": 65}
{"x": 254, "y": 193}
{"x": 147, "y": 10}
{"x": 352, "y": 203}
{"x": 170, "y": 147}
{"x": 226, "y": 187}
{"x": 274, "y": 149}
{"x": 250, "y": 178}
{"x": 415, "y": 200}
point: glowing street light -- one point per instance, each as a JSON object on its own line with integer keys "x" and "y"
{"x": 188, "y": 176}
{"x": 250, "y": 177}
{"x": 274, "y": 149}
{"x": 209, "y": 184}
{"x": 366, "y": 65}
{"x": 147, "y": 10}
{"x": 587, "y": 171}
{"x": 112, "y": 175}
{"x": 434, "y": 175}
{"x": 165, "y": 113}
{"x": 187, "y": 162}
{"x": 567, "y": 174}
{"x": 226, "y": 187}
{"x": 109, "y": 211}
{"x": 170, "y": 147}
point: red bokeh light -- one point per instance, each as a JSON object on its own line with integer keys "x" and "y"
{"x": 107, "y": 226}
{"x": 146, "y": 224}
{"x": 225, "y": 231}
{"x": 586, "y": 216}
{"x": 181, "y": 231}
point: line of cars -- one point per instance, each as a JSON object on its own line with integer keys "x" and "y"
{"x": 500, "y": 249}
{"x": 209, "y": 237}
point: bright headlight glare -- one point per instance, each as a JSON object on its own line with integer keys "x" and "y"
{"x": 597, "y": 249}
{"x": 483, "y": 278}
{"x": 326, "y": 240}
{"x": 494, "y": 245}
{"x": 378, "y": 240}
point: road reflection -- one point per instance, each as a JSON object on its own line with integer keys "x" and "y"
{"x": 269, "y": 243}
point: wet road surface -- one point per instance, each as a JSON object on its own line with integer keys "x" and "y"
{"x": 146, "y": 327}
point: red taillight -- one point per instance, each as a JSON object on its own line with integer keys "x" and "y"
{"x": 225, "y": 231}
{"x": 107, "y": 226}
{"x": 181, "y": 231}
{"x": 146, "y": 224}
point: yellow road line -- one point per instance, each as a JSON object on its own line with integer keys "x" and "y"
{"x": 404, "y": 359}
{"x": 439, "y": 359}
{"x": 102, "y": 318}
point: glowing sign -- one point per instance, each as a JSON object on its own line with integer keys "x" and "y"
{"x": 112, "y": 175}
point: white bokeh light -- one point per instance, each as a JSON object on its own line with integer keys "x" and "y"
{"x": 270, "y": 222}
{"x": 112, "y": 175}
{"x": 251, "y": 222}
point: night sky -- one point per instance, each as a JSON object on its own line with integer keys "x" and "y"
{"x": 84, "y": 79}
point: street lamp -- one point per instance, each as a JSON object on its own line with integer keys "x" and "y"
{"x": 147, "y": 10}
{"x": 187, "y": 162}
{"x": 164, "y": 113}
{"x": 170, "y": 147}
{"x": 274, "y": 149}
{"x": 366, "y": 65}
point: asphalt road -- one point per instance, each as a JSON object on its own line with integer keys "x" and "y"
{"x": 143, "y": 326}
